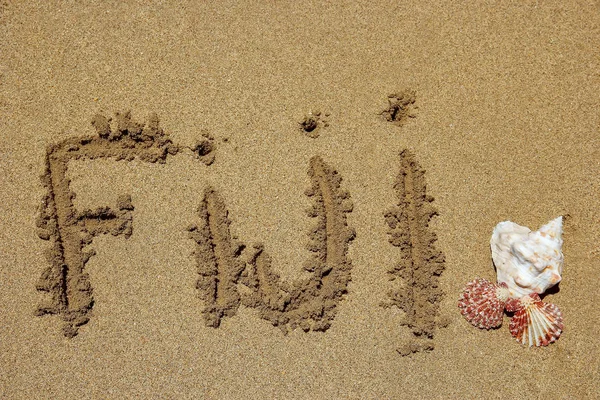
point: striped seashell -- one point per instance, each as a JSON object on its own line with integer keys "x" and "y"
{"x": 482, "y": 303}
{"x": 512, "y": 304}
{"x": 536, "y": 323}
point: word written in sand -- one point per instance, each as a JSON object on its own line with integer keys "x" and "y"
{"x": 418, "y": 293}
{"x": 309, "y": 304}
{"x": 230, "y": 273}
{"x": 65, "y": 281}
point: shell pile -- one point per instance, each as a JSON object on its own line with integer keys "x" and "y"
{"x": 527, "y": 264}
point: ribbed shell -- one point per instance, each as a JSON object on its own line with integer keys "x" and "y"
{"x": 480, "y": 305}
{"x": 512, "y": 304}
{"x": 536, "y": 323}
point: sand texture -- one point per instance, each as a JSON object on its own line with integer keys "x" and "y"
{"x": 284, "y": 200}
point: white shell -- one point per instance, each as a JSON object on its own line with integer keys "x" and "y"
{"x": 528, "y": 262}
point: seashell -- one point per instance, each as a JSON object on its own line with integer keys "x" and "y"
{"x": 536, "y": 323}
{"x": 512, "y": 304}
{"x": 528, "y": 262}
{"x": 482, "y": 303}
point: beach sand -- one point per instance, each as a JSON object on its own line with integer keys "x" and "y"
{"x": 230, "y": 260}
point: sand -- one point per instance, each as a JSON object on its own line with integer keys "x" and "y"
{"x": 285, "y": 200}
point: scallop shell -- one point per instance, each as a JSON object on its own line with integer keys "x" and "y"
{"x": 536, "y": 323}
{"x": 528, "y": 262}
{"x": 482, "y": 303}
